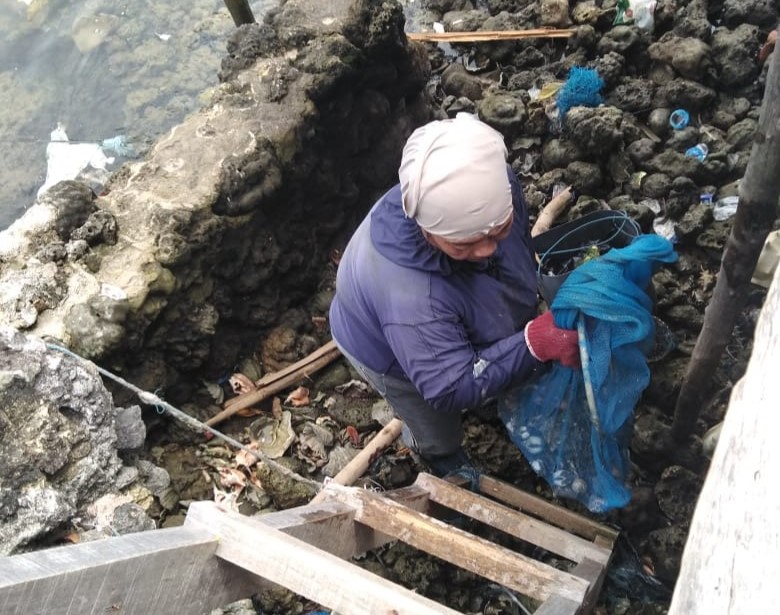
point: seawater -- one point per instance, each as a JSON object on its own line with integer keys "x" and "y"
{"x": 100, "y": 68}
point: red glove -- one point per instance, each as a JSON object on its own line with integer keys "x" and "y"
{"x": 547, "y": 342}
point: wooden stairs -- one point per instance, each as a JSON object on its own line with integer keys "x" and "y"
{"x": 218, "y": 557}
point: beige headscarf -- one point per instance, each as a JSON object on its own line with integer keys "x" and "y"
{"x": 454, "y": 178}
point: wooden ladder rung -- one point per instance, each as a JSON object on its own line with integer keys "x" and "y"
{"x": 512, "y": 522}
{"x": 499, "y": 564}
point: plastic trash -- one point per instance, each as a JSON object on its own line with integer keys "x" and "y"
{"x": 698, "y": 151}
{"x": 725, "y": 208}
{"x": 665, "y": 228}
{"x": 65, "y": 160}
{"x": 118, "y": 145}
{"x": 638, "y": 12}
{"x": 679, "y": 119}
{"x": 706, "y": 198}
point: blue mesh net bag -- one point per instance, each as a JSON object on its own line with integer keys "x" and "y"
{"x": 574, "y": 426}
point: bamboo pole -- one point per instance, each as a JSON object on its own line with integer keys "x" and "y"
{"x": 240, "y": 11}
{"x": 488, "y": 35}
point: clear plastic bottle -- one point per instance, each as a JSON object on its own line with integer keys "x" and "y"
{"x": 698, "y": 151}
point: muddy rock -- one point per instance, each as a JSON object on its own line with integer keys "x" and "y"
{"x": 554, "y": 13}
{"x": 456, "y": 81}
{"x": 610, "y": 67}
{"x": 559, "y": 153}
{"x": 658, "y": 121}
{"x": 632, "y": 95}
{"x": 284, "y": 491}
{"x": 681, "y": 140}
{"x": 672, "y": 163}
{"x": 665, "y": 547}
{"x": 641, "y": 150}
{"x": 445, "y": 6}
{"x": 584, "y": 176}
{"x": 619, "y": 39}
{"x": 688, "y": 56}
{"x": 673, "y": 492}
{"x": 740, "y": 135}
{"x": 761, "y": 13}
{"x": 730, "y": 110}
{"x": 594, "y": 129}
{"x": 692, "y": 20}
{"x": 58, "y": 453}
{"x": 656, "y": 185}
{"x": 504, "y": 112}
{"x": 687, "y": 94}
{"x": 464, "y": 20}
{"x": 734, "y": 53}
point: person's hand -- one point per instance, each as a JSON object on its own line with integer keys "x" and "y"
{"x": 548, "y": 342}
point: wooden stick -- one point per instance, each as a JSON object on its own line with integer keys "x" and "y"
{"x": 551, "y": 211}
{"x": 306, "y": 368}
{"x": 360, "y": 463}
{"x": 295, "y": 367}
{"x": 488, "y": 35}
{"x": 240, "y": 11}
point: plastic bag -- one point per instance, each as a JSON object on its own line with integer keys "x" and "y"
{"x": 638, "y": 12}
{"x": 575, "y": 438}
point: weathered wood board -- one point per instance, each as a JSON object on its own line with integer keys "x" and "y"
{"x": 164, "y": 572}
{"x": 731, "y": 563}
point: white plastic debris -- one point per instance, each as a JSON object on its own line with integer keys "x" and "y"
{"x": 665, "y": 228}
{"x": 725, "y": 208}
{"x": 66, "y": 160}
{"x": 438, "y": 27}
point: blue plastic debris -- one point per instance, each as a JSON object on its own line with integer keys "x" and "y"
{"x": 698, "y": 151}
{"x": 679, "y": 119}
{"x": 580, "y": 445}
{"x": 581, "y": 89}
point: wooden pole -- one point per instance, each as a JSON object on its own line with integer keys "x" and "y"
{"x": 759, "y": 191}
{"x": 360, "y": 463}
{"x": 240, "y": 11}
{"x": 487, "y": 35}
{"x": 551, "y": 211}
{"x": 278, "y": 381}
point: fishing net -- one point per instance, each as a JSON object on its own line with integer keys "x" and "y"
{"x": 574, "y": 425}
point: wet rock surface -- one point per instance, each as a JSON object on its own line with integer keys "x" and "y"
{"x": 61, "y": 444}
{"x": 218, "y": 253}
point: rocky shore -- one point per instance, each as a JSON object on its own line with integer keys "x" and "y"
{"x": 216, "y": 255}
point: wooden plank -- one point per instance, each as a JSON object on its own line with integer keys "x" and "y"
{"x": 512, "y": 522}
{"x": 165, "y": 572}
{"x": 488, "y": 35}
{"x": 729, "y": 565}
{"x": 594, "y": 573}
{"x": 563, "y": 518}
{"x": 306, "y": 570}
{"x": 330, "y": 525}
{"x": 523, "y": 574}
{"x": 557, "y": 605}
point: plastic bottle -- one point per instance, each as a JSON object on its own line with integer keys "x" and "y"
{"x": 698, "y": 151}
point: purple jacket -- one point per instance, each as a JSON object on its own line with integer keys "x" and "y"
{"x": 453, "y": 328}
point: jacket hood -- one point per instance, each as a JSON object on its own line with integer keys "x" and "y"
{"x": 400, "y": 240}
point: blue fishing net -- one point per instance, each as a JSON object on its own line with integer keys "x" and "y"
{"x": 580, "y": 445}
{"x": 581, "y": 89}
